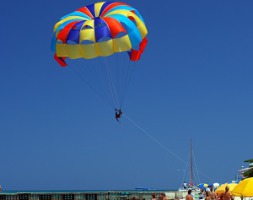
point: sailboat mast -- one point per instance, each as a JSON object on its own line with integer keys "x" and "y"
{"x": 191, "y": 173}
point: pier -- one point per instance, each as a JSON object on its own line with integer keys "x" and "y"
{"x": 89, "y": 195}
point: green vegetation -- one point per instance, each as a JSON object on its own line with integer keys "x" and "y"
{"x": 249, "y": 161}
{"x": 248, "y": 173}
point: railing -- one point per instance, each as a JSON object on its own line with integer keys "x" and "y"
{"x": 101, "y": 195}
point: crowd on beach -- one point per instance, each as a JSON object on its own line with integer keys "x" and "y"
{"x": 210, "y": 194}
{"x": 203, "y": 194}
{"x": 162, "y": 196}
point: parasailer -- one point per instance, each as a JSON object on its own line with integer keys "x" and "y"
{"x": 102, "y": 29}
{"x": 118, "y": 114}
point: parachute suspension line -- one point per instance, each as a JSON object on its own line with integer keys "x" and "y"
{"x": 123, "y": 69}
{"x": 120, "y": 66}
{"x": 100, "y": 70}
{"x": 152, "y": 138}
{"x": 106, "y": 80}
{"x": 111, "y": 83}
{"x": 117, "y": 73}
{"x": 130, "y": 70}
{"x": 121, "y": 74}
{"x": 89, "y": 84}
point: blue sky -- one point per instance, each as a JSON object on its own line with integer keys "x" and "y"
{"x": 194, "y": 81}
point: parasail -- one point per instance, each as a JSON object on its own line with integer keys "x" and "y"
{"x": 102, "y": 29}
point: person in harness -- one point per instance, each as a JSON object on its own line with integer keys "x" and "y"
{"x": 118, "y": 114}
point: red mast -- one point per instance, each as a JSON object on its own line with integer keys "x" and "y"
{"x": 191, "y": 172}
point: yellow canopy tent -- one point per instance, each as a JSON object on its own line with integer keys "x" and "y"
{"x": 244, "y": 188}
{"x": 221, "y": 189}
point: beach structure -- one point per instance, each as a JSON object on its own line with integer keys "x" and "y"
{"x": 90, "y": 195}
{"x": 244, "y": 170}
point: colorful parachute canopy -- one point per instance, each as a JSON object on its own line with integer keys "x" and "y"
{"x": 100, "y": 29}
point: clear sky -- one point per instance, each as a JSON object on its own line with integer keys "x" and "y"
{"x": 194, "y": 81}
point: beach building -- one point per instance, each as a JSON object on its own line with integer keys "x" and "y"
{"x": 243, "y": 170}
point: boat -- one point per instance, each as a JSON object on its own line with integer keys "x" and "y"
{"x": 144, "y": 188}
{"x": 190, "y": 185}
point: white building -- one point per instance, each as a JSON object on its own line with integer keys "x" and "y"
{"x": 243, "y": 170}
